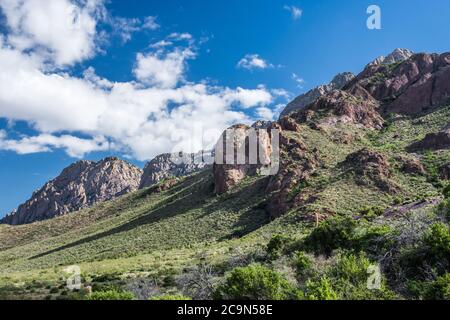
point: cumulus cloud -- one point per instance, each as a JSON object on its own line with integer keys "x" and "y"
{"x": 161, "y": 69}
{"x": 74, "y": 146}
{"x": 295, "y": 11}
{"x": 253, "y": 61}
{"x": 63, "y": 30}
{"x": 158, "y": 112}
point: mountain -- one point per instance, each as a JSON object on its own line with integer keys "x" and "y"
{"x": 340, "y": 80}
{"x": 303, "y": 100}
{"x": 362, "y": 185}
{"x": 80, "y": 185}
{"x": 172, "y": 165}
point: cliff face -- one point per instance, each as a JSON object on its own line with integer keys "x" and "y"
{"x": 172, "y": 165}
{"x": 80, "y": 185}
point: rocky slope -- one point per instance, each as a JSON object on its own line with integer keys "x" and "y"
{"x": 80, "y": 185}
{"x": 338, "y": 82}
{"x": 342, "y": 79}
{"x": 173, "y": 165}
{"x": 401, "y": 83}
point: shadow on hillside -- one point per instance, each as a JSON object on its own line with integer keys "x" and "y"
{"x": 188, "y": 195}
{"x": 180, "y": 201}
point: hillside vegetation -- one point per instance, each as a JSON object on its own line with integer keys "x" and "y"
{"x": 154, "y": 242}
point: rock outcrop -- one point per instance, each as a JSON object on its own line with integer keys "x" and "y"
{"x": 79, "y": 186}
{"x": 371, "y": 166}
{"x": 338, "y": 82}
{"x": 343, "y": 107}
{"x": 408, "y": 87}
{"x": 173, "y": 165}
{"x": 398, "y": 55}
{"x": 433, "y": 141}
{"x": 228, "y": 169}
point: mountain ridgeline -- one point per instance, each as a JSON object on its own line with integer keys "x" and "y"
{"x": 363, "y": 179}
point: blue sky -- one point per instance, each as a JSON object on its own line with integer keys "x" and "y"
{"x": 128, "y": 78}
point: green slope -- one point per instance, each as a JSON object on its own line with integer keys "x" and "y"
{"x": 149, "y": 233}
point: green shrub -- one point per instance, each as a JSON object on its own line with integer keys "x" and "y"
{"x": 439, "y": 289}
{"x": 171, "y": 297}
{"x": 372, "y": 212}
{"x": 255, "y": 282}
{"x": 438, "y": 240}
{"x": 276, "y": 246}
{"x": 331, "y": 234}
{"x": 320, "y": 289}
{"x": 303, "y": 263}
{"x": 446, "y": 191}
{"x": 345, "y": 232}
{"x": 111, "y": 295}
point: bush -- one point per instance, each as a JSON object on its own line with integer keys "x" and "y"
{"x": 111, "y": 295}
{"x": 350, "y": 277}
{"x": 345, "y": 232}
{"x": 438, "y": 240}
{"x": 320, "y": 289}
{"x": 255, "y": 282}
{"x": 332, "y": 234}
{"x": 439, "y": 289}
{"x": 446, "y": 191}
{"x": 276, "y": 246}
{"x": 303, "y": 264}
{"x": 171, "y": 297}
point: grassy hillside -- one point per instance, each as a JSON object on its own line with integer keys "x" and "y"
{"x": 161, "y": 235}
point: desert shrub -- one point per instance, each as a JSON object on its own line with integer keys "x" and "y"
{"x": 336, "y": 232}
{"x": 446, "y": 191}
{"x": 350, "y": 277}
{"x": 439, "y": 289}
{"x": 303, "y": 264}
{"x": 431, "y": 290}
{"x": 444, "y": 208}
{"x": 438, "y": 240}
{"x": 371, "y": 212}
{"x": 111, "y": 295}
{"x": 347, "y": 233}
{"x": 276, "y": 246}
{"x": 255, "y": 282}
{"x": 171, "y": 297}
{"x": 320, "y": 289}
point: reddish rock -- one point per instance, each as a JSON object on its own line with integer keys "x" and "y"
{"x": 343, "y": 107}
{"x": 374, "y": 166}
{"x": 433, "y": 141}
{"x": 289, "y": 124}
{"x": 411, "y": 165}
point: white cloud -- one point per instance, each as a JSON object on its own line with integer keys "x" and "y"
{"x": 150, "y": 23}
{"x": 158, "y": 112}
{"x": 161, "y": 69}
{"x": 295, "y": 11}
{"x": 300, "y": 81}
{"x": 74, "y": 146}
{"x": 253, "y": 61}
{"x": 62, "y": 30}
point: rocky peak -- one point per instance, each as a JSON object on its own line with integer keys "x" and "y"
{"x": 173, "y": 165}
{"x": 79, "y": 186}
{"x": 398, "y": 55}
{"x": 338, "y": 82}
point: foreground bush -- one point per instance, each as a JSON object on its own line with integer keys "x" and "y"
{"x": 171, "y": 297}
{"x": 438, "y": 240}
{"x": 255, "y": 282}
{"x": 347, "y": 233}
{"x": 111, "y": 295}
